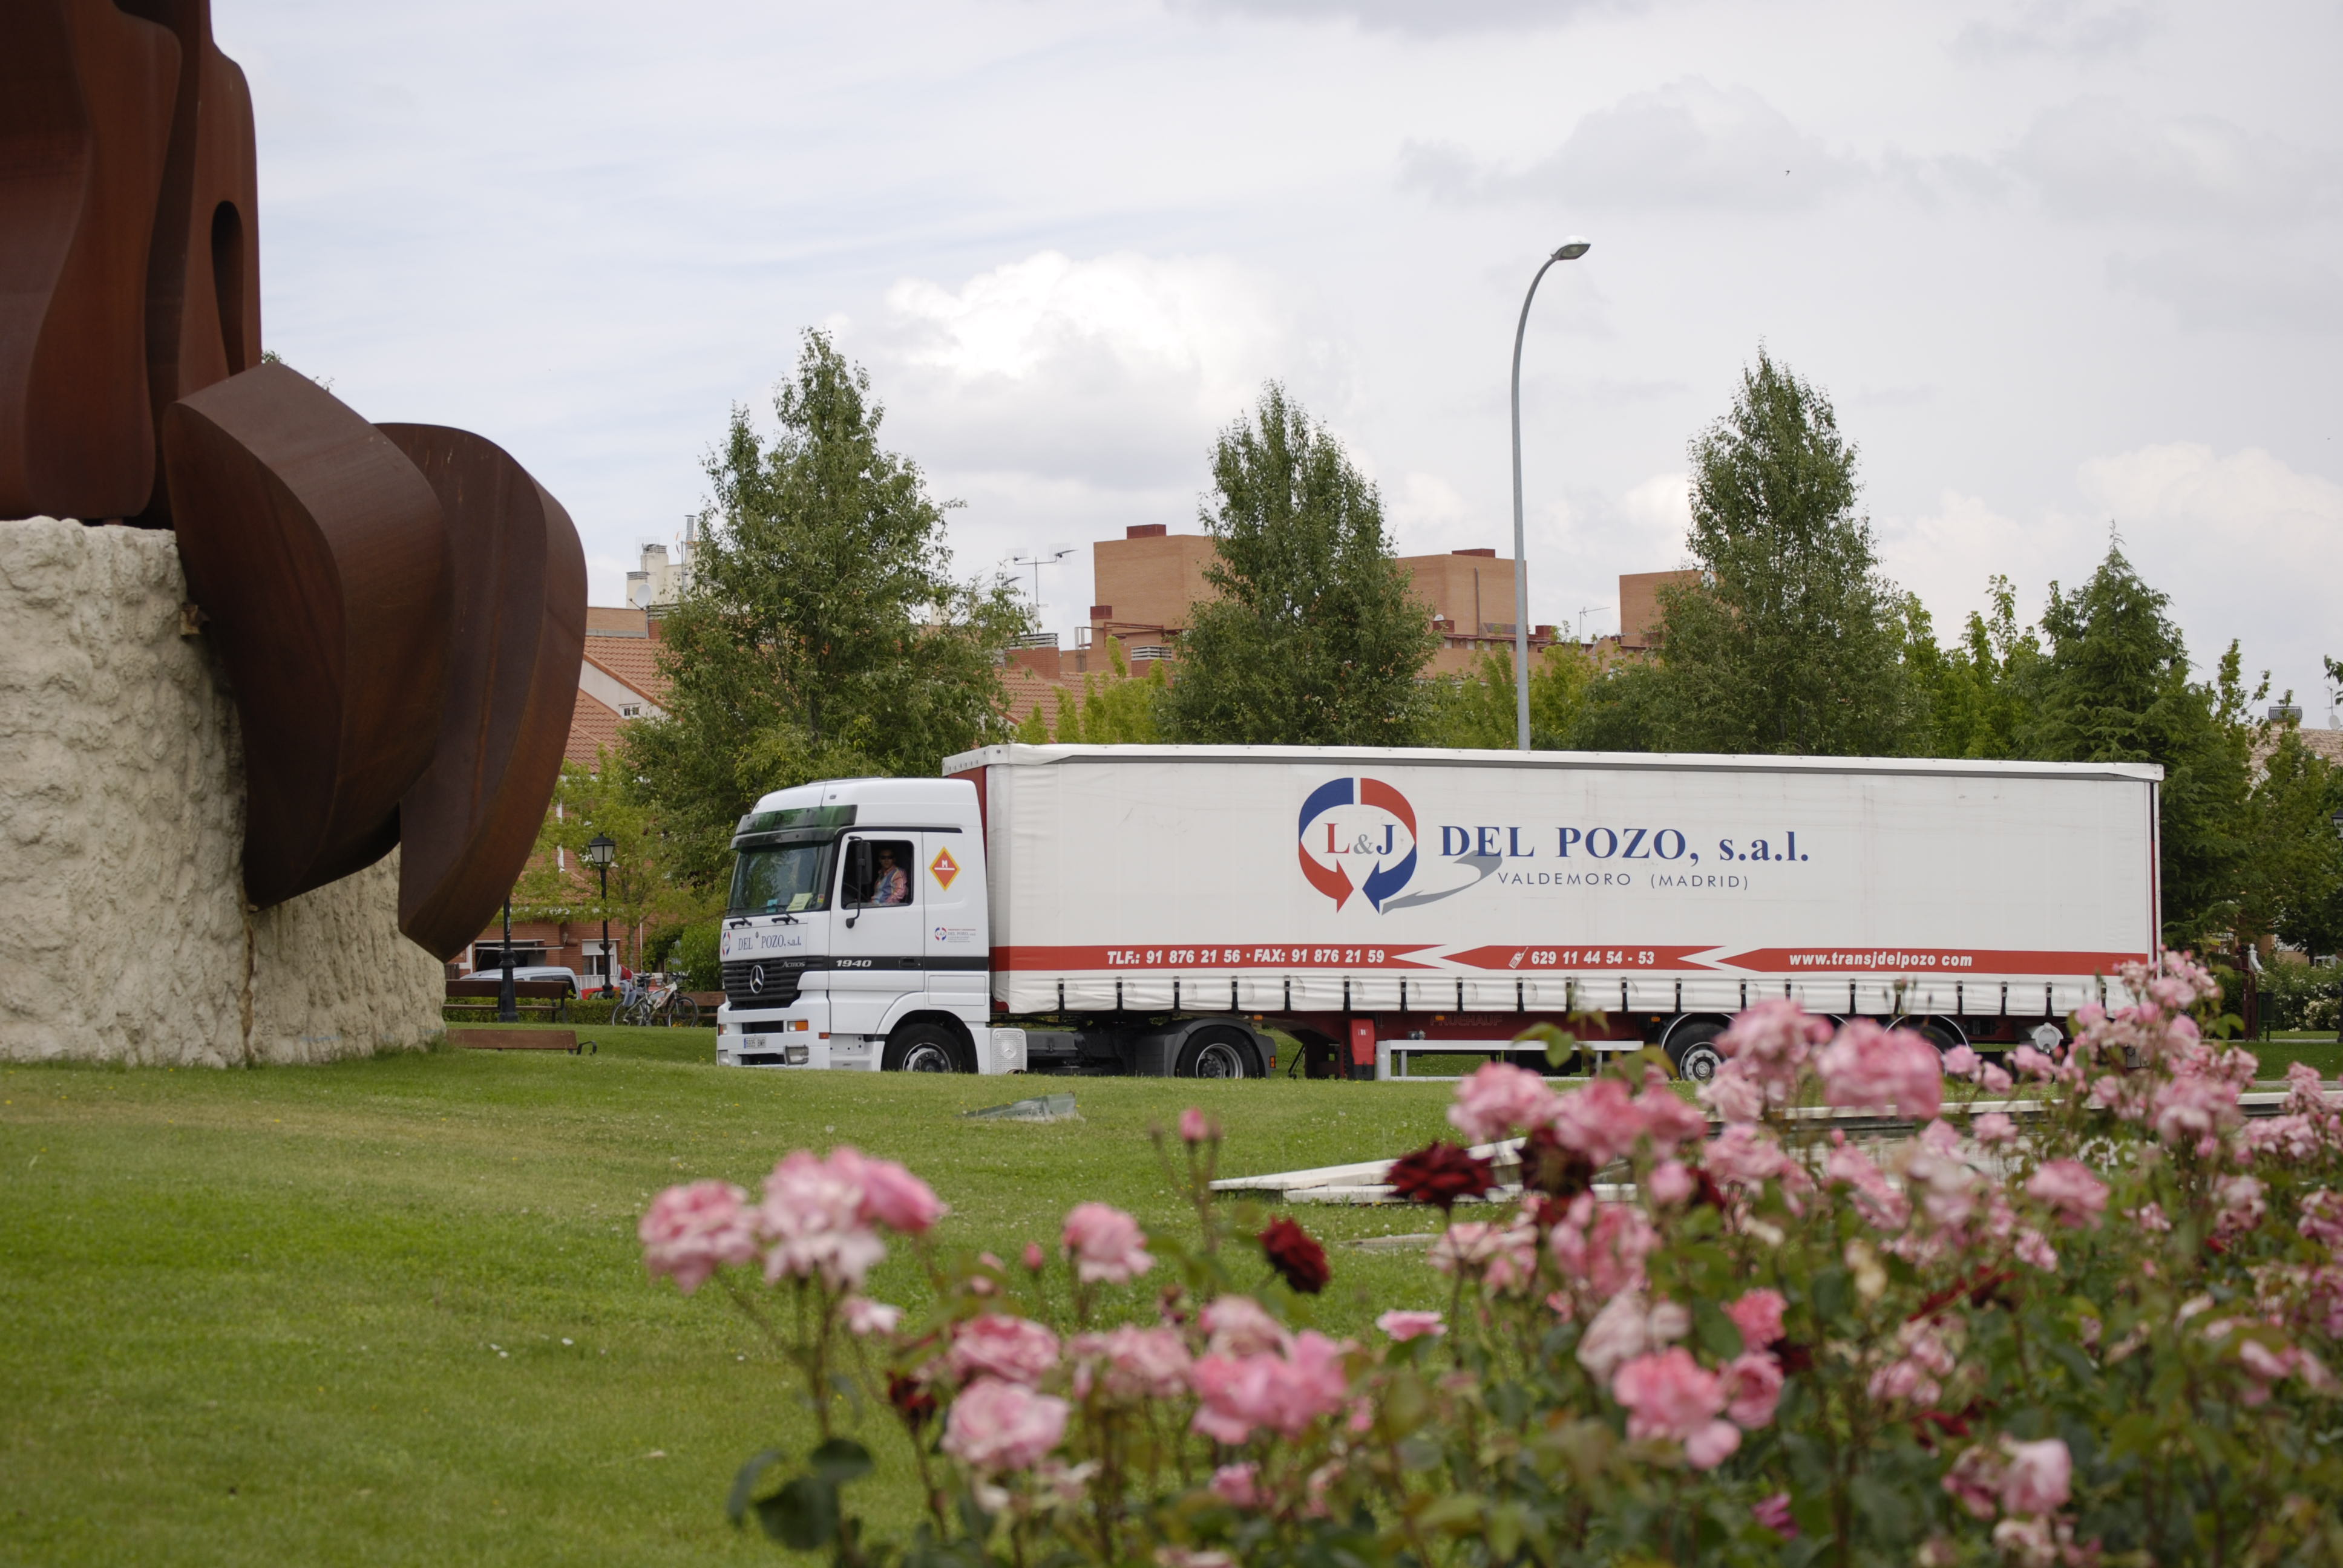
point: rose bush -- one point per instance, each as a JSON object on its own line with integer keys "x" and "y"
{"x": 2084, "y": 1313}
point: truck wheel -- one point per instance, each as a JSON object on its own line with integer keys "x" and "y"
{"x": 921, "y": 1048}
{"x": 1215, "y": 1053}
{"x": 1692, "y": 1051}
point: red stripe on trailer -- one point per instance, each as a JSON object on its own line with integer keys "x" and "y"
{"x": 1867, "y": 959}
{"x": 1537, "y": 957}
{"x": 1214, "y": 956}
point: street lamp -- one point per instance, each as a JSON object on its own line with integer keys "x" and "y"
{"x": 600, "y": 850}
{"x": 508, "y": 1008}
{"x": 1571, "y": 250}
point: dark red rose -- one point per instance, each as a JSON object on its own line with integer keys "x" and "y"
{"x": 1549, "y": 1166}
{"x": 912, "y": 1400}
{"x": 1296, "y": 1256}
{"x": 1795, "y": 1357}
{"x": 1439, "y": 1174}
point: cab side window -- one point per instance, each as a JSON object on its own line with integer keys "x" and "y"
{"x": 877, "y": 874}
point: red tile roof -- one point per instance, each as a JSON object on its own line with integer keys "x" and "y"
{"x": 632, "y": 660}
{"x": 593, "y": 729}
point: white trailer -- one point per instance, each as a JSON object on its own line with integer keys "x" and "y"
{"x": 1159, "y": 908}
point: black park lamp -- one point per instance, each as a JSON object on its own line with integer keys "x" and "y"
{"x": 600, "y": 850}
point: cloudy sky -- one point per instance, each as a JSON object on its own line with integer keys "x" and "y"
{"x": 2064, "y": 266}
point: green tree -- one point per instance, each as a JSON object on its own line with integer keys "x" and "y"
{"x": 1479, "y": 708}
{"x": 1792, "y": 641}
{"x": 2114, "y": 687}
{"x": 560, "y": 884}
{"x": 1316, "y": 637}
{"x": 2292, "y": 860}
{"x": 823, "y": 634}
{"x": 1977, "y": 697}
{"x": 1119, "y": 712}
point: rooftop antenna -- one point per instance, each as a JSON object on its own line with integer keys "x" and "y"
{"x": 1037, "y": 562}
{"x": 1586, "y": 609}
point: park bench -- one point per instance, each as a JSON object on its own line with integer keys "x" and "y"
{"x": 548, "y": 999}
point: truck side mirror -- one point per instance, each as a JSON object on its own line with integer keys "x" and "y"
{"x": 858, "y": 879}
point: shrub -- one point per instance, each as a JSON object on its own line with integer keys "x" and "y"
{"x": 2084, "y": 1316}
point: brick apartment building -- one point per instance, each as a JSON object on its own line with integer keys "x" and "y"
{"x": 1147, "y": 584}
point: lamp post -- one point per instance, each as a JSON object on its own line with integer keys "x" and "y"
{"x": 508, "y": 1009}
{"x": 600, "y": 850}
{"x": 1571, "y": 250}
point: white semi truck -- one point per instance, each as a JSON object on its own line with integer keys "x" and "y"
{"x": 1159, "y": 909}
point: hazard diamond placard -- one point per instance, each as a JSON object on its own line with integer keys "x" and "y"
{"x": 944, "y": 868}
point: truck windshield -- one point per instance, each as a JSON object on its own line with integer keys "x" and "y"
{"x": 790, "y": 880}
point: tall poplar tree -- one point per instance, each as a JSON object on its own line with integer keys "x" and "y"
{"x": 1792, "y": 641}
{"x": 1317, "y": 637}
{"x": 823, "y": 634}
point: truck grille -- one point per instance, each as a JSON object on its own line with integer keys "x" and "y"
{"x": 779, "y": 988}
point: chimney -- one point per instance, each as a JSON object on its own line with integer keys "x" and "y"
{"x": 1145, "y": 531}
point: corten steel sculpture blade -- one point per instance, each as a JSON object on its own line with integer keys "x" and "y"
{"x": 320, "y": 553}
{"x": 86, "y": 99}
{"x": 203, "y": 271}
{"x": 518, "y": 630}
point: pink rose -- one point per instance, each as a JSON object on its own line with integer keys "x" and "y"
{"x": 1195, "y": 1127}
{"x": 1625, "y": 1328}
{"x": 997, "y": 1426}
{"x": 1667, "y": 1120}
{"x": 1742, "y": 1156}
{"x": 1753, "y": 1388}
{"x": 1240, "y": 1326}
{"x": 1286, "y": 1393}
{"x": 1993, "y": 1127}
{"x": 1773, "y": 1513}
{"x": 1106, "y": 1244}
{"x": 1136, "y": 1362}
{"x": 2034, "y": 1249}
{"x": 1036, "y": 1260}
{"x": 1994, "y": 1079}
{"x": 1867, "y": 1066}
{"x": 1404, "y": 1326}
{"x": 1733, "y": 1094}
{"x": 1497, "y": 1099}
{"x": 2070, "y": 1191}
{"x": 891, "y": 1195}
{"x": 1771, "y": 1041}
{"x": 1961, "y": 1062}
{"x": 865, "y": 1317}
{"x": 1758, "y": 1316}
{"x": 1712, "y": 1445}
{"x": 811, "y": 1220}
{"x": 1601, "y": 1121}
{"x": 1671, "y": 1183}
{"x": 2037, "y": 1478}
{"x": 1667, "y": 1394}
{"x": 1011, "y": 1350}
{"x": 691, "y": 1231}
{"x": 1238, "y": 1485}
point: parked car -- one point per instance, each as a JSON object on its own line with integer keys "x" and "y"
{"x": 533, "y": 973}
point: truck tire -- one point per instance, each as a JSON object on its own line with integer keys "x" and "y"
{"x": 1692, "y": 1050}
{"x": 921, "y": 1048}
{"x": 1215, "y": 1053}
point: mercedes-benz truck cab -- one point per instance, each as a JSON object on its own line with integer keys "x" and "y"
{"x": 856, "y": 934}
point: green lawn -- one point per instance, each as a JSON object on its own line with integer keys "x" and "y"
{"x": 392, "y": 1311}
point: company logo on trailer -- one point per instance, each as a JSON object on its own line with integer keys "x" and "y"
{"x": 1357, "y": 836}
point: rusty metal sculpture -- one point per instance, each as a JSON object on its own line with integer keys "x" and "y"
{"x": 203, "y": 286}
{"x": 469, "y": 822}
{"x": 320, "y": 555}
{"x": 86, "y": 98}
{"x": 383, "y": 699}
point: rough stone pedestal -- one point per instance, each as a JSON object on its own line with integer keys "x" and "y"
{"x": 123, "y": 933}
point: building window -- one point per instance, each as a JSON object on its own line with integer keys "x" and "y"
{"x": 631, "y": 711}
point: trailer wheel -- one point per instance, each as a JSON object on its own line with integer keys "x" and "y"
{"x": 1215, "y": 1053}
{"x": 1693, "y": 1052}
{"x": 921, "y": 1048}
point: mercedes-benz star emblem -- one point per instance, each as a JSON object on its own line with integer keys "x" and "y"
{"x": 757, "y": 979}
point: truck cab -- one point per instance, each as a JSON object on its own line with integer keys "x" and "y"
{"x": 856, "y": 933}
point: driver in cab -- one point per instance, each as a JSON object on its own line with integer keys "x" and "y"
{"x": 891, "y": 885}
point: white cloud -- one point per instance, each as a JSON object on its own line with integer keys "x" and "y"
{"x": 1421, "y": 17}
{"x": 2099, "y": 157}
{"x": 2236, "y": 542}
{"x": 1114, "y": 371}
{"x": 2058, "y": 29}
{"x": 1691, "y": 144}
